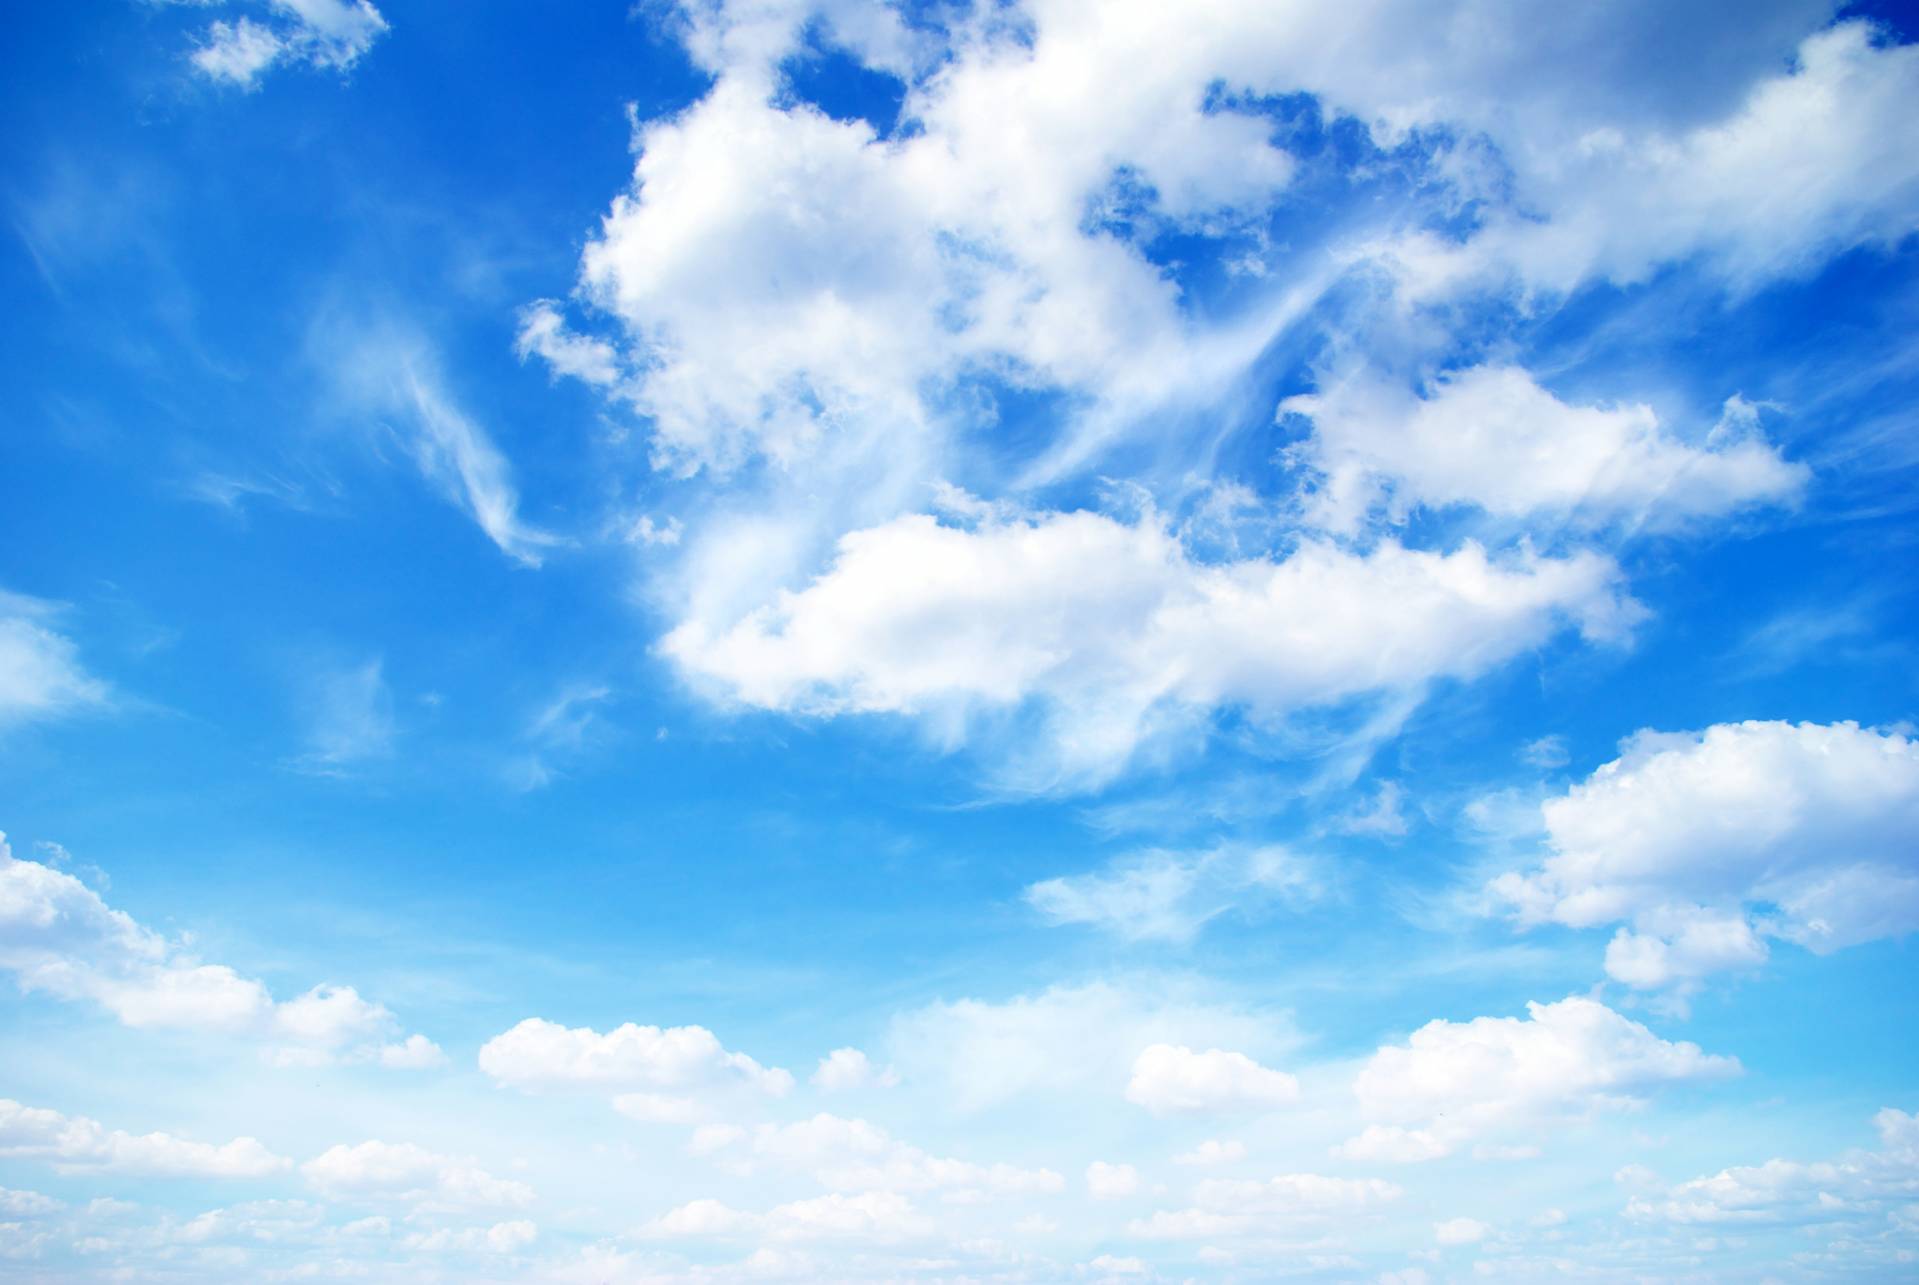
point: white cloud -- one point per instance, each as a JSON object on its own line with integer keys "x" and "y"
{"x": 1859, "y": 1185}
{"x": 1170, "y": 896}
{"x": 1452, "y": 1082}
{"x": 58, "y": 937}
{"x": 385, "y": 370}
{"x": 1171, "y": 1077}
{"x": 539, "y": 1054}
{"x": 412, "y": 1174}
{"x": 414, "y": 1053}
{"x": 1108, "y": 1181}
{"x": 846, "y": 1069}
{"x": 1122, "y": 637}
{"x": 1809, "y": 165}
{"x": 76, "y": 1144}
{"x": 40, "y": 672}
{"x": 27, "y": 1204}
{"x": 1069, "y": 1042}
{"x": 1701, "y": 841}
{"x": 1491, "y": 437}
{"x": 332, "y": 34}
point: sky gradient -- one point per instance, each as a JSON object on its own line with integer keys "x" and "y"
{"x": 811, "y": 640}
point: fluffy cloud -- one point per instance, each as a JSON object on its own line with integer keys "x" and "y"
{"x": 1460, "y": 1231}
{"x": 376, "y": 1170}
{"x": 1455, "y": 1081}
{"x": 1213, "y": 1151}
{"x": 1810, "y": 164}
{"x": 40, "y": 672}
{"x": 1171, "y": 1077}
{"x": 331, "y": 34}
{"x": 1702, "y": 840}
{"x": 1859, "y": 1186}
{"x": 75, "y": 1144}
{"x": 539, "y": 1054}
{"x": 58, "y": 937}
{"x": 1169, "y": 896}
{"x": 1121, "y": 636}
{"x": 843, "y": 1070}
{"x": 1491, "y": 437}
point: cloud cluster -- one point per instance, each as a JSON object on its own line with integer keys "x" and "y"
{"x": 329, "y": 34}
{"x": 1120, "y": 637}
{"x": 58, "y": 937}
{"x": 1702, "y": 843}
{"x": 538, "y": 1054}
{"x": 76, "y": 1144}
{"x": 1455, "y": 1082}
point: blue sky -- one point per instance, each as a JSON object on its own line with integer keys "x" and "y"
{"x": 765, "y": 640}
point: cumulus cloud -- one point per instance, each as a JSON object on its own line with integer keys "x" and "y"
{"x": 1213, "y": 1151}
{"x": 538, "y": 1054}
{"x": 1120, "y": 636}
{"x": 329, "y": 34}
{"x": 76, "y": 1144}
{"x": 1452, "y": 1082}
{"x": 1808, "y": 165}
{"x": 1702, "y": 842}
{"x": 1169, "y": 896}
{"x": 846, "y": 1069}
{"x": 1491, "y": 437}
{"x": 402, "y": 1171}
{"x": 58, "y": 937}
{"x": 41, "y": 676}
{"x": 1173, "y": 1078}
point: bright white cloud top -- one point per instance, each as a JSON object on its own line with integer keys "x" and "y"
{"x": 1007, "y": 642}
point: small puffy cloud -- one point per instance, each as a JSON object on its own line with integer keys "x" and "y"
{"x": 539, "y": 1054}
{"x": 27, "y": 1204}
{"x": 1160, "y": 895}
{"x": 58, "y": 937}
{"x": 1460, "y": 1231}
{"x": 376, "y": 1170}
{"x": 1699, "y": 843}
{"x": 1121, "y": 638}
{"x": 1452, "y": 1082}
{"x": 332, "y": 34}
{"x": 414, "y": 1053}
{"x": 849, "y": 1068}
{"x": 1173, "y": 1078}
{"x": 76, "y": 1144}
{"x": 1107, "y": 1181}
{"x": 41, "y": 676}
{"x": 1492, "y": 438}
